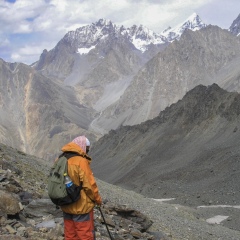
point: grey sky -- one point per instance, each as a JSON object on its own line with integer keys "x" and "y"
{"x": 29, "y": 26}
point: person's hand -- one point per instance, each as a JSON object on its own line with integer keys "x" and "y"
{"x": 98, "y": 206}
{"x": 98, "y": 203}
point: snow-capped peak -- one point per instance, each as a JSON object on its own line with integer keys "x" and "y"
{"x": 89, "y": 35}
{"x": 193, "y": 23}
{"x": 86, "y": 38}
{"x": 141, "y": 37}
{"x": 103, "y": 22}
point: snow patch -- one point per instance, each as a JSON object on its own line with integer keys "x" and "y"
{"x": 142, "y": 44}
{"x": 217, "y": 219}
{"x": 220, "y": 206}
{"x": 163, "y": 199}
{"x": 83, "y": 51}
{"x": 139, "y": 44}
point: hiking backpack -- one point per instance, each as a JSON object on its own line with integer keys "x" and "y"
{"x": 57, "y": 190}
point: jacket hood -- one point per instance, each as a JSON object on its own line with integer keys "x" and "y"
{"x": 73, "y": 147}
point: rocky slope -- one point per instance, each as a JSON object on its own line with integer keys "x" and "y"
{"x": 190, "y": 152}
{"x": 94, "y": 55}
{"x": 101, "y": 60}
{"x": 38, "y": 115}
{"x": 210, "y": 55}
{"x": 129, "y": 75}
{"x": 27, "y": 213}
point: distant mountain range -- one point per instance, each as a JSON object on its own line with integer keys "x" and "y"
{"x": 102, "y": 76}
{"x": 107, "y": 61}
{"x": 98, "y": 38}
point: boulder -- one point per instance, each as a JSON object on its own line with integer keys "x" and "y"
{"x": 9, "y": 203}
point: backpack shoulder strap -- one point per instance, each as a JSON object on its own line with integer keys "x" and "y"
{"x": 72, "y": 154}
{"x": 59, "y": 167}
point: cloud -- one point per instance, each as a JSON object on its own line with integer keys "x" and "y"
{"x": 44, "y": 22}
{"x": 29, "y": 53}
{"x": 220, "y": 12}
{"x": 14, "y": 17}
{"x": 61, "y": 15}
{"x": 4, "y": 42}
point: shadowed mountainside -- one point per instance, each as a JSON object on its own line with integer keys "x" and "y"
{"x": 189, "y": 152}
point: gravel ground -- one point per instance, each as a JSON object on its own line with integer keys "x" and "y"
{"x": 175, "y": 221}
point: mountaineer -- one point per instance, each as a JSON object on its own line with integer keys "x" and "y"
{"x": 78, "y": 216}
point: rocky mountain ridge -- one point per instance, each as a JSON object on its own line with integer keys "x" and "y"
{"x": 103, "y": 53}
{"x": 108, "y": 65}
{"x": 87, "y": 38}
{"x": 189, "y": 152}
{"x": 210, "y": 55}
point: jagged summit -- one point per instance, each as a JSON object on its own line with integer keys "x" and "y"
{"x": 235, "y": 26}
{"x": 87, "y": 37}
{"x": 103, "y": 22}
{"x": 167, "y": 29}
{"x": 193, "y": 23}
{"x": 141, "y": 37}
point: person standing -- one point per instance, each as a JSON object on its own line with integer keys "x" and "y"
{"x": 78, "y": 216}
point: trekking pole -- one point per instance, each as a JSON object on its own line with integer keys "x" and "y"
{"x": 105, "y": 222}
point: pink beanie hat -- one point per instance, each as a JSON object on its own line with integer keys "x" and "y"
{"x": 82, "y": 142}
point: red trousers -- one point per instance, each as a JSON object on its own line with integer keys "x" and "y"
{"x": 79, "y": 227}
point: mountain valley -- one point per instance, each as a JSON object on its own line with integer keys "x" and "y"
{"x": 162, "y": 112}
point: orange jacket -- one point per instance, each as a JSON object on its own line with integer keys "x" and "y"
{"x": 79, "y": 171}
